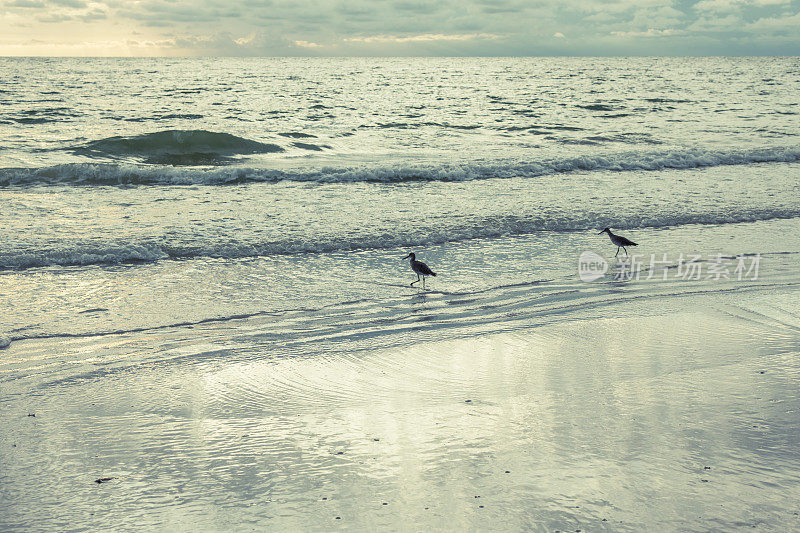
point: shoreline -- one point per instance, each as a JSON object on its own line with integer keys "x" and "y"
{"x": 611, "y": 418}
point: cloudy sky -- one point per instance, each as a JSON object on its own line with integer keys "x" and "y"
{"x": 399, "y": 27}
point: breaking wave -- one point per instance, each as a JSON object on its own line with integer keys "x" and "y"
{"x": 131, "y": 174}
{"x": 113, "y": 253}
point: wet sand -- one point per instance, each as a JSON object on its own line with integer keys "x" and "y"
{"x": 684, "y": 420}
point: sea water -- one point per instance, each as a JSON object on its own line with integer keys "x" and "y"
{"x": 159, "y": 214}
{"x": 137, "y": 193}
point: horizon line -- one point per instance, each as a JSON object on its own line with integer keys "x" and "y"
{"x": 511, "y": 56}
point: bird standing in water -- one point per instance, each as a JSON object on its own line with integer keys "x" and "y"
{"x": 420, "y": 268}
{"x": 619, "y": 240}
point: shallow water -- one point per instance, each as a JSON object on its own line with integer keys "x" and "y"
{"x": 669, "y": 414}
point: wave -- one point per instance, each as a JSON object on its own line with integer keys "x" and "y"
{"x": 40, "y": 116}
{"x": 626, "y": 138}
{"x": 297, "y": 135}
{"x": 176, "y": 147}
{"x": 150, "y": 251}
{"x": 29, "y": 120}
{"x": 168, "y": 116}
{"x": 416, "y": 125}
{"x": 497, "y": 307}
{"x": 309, "y": 146}
{"x": 131, "y": 174}
{"x": 598, "y": 107}
{"x": 341, "y": 312}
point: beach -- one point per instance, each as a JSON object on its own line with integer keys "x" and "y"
{"x": 208, "y": 324}
{"x": 676, "y": 415}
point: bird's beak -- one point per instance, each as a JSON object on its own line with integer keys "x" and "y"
{"x": 602, "y": 232}
{"x": 406, "y": 257}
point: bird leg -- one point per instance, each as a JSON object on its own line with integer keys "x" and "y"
{"x": 616, "y": 254}
{"x": 413, "y": 282}
{"x": 626, "y": 251}
{"x": 423, "y": 283}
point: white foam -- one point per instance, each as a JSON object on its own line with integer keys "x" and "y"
{"x": 392, "y": 237}
{"x": 130, "y": 174}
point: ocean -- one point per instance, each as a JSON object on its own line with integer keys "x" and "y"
{"x": 189, "y": 217}
{"x": 168, "y": 191}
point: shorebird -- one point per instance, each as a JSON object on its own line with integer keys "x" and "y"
{"x": 420, "y": 268}
{"x": 619, "y": 240}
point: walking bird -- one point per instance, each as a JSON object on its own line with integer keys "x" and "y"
{"x": 619, "y": 241}
{"x": 420, "y": 268}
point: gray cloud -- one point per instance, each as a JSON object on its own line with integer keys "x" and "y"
{"x": 776, "y": 24}
{"x": 94, "y": 15}
{"x": 419, "y": 27}
{"x": 25, "y": 3}
{"x": 53, "y": 18}
{"x": 69, "y": 3}
{"x": 417, "y": 7}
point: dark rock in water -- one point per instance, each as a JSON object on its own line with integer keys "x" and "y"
{"x": 467, "y": 401}
{"x": 508, "y": 471}
{"x": 384, "y": 503}
{"x": 339, "y": 453}
{"x": 706, "y": 468}
{"x": 324, "y": 498}
{"x": 376, "y": 440}
{"x": 103, "y": 479}
{"x": 338, "y": 518}
{"x": 32, "y": 414}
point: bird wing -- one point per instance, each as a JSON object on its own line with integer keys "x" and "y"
{"x": 422, "y": 268}
{"x": 627, "y": 242}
